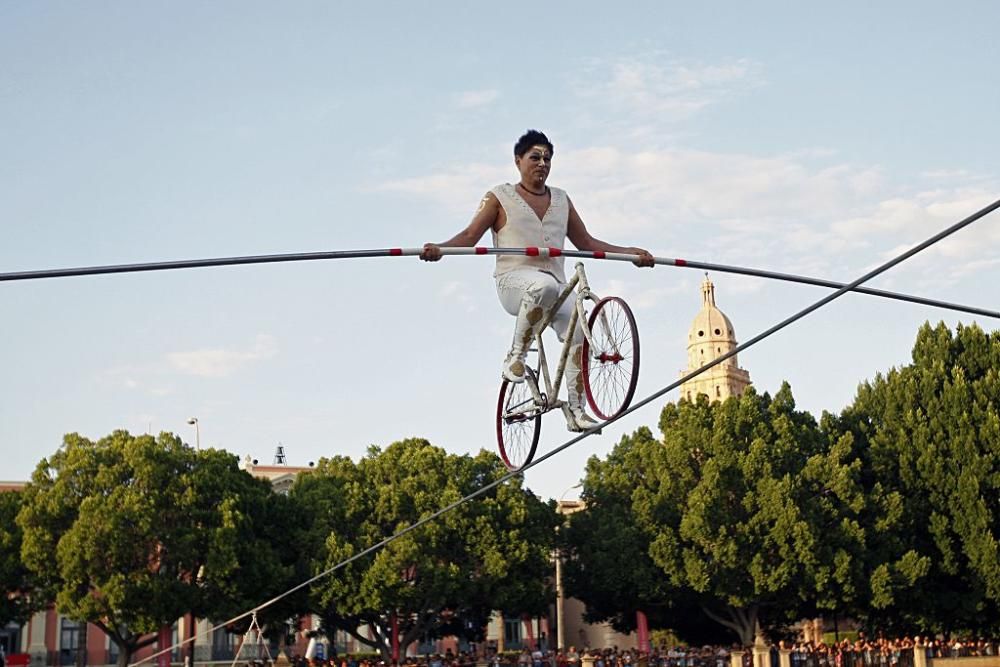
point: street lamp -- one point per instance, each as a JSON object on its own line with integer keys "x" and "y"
{"x": 197, "y": 432}
{"x": 560, "y": 597}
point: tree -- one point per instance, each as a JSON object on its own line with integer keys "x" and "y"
{"x": 19, "y": 597}
{"x": 745, "y": 508}
{"x": 132, "y": 532}
{"x": 446, "y": 577}
{"x": 598, "y": 541}
{"x": 929, "y": 434}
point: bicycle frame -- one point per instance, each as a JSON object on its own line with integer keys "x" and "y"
{"x": 608, "y": 372}
{"x": 581, "y": 286}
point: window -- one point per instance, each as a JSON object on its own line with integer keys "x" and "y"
{"x": 339, "y": 643}
{"x": 426, "y": 646}
{"x": 112, "y": 652}
{"x": 175, "y": 639}
{"x": 69, "y": 641}
{"x": 718, "y": 392}
{"x": 8, "y": 639}
{"x": 224, "y": 644}
{"x": 512, "y": 633}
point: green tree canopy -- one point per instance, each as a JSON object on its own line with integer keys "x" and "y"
{"x": 606, "y": 554}
{"x": 132, "y": 532}
{"x": 929, "y": 434}
{"x": 19, "y": 596}
{"x": 445, "y": 577}
{"x": 745, "y": 508}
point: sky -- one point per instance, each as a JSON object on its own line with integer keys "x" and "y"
{"x": 809, "y": 138}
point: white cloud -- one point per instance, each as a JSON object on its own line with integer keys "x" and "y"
{"x": 641, "y": 298}
{"x": 807, "y": 211}
{"x": 900, "y": 223}
{"x": 221, "y": 362}
{"x": 947, "y": 174}
{"x": 457, "y": 190}
{"x": 785, "y": 212}
{"x": 670, "y": 90}
{"x": 472, "y": 99}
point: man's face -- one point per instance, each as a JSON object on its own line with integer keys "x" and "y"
{"x": 534, "y": 165}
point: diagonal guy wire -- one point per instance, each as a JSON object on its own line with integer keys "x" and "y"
{"x": 652, "y": 397}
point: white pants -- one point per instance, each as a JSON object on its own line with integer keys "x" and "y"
{"x": 515, "y": 287}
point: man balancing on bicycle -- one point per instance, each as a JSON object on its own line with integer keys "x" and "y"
{"x": 527, "y": 214}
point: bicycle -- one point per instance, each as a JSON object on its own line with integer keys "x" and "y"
{"x": 610, "y": 368}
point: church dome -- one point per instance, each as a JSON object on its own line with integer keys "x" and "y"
{"x": 711, "y": 336}
{"x": 710, "y": 325}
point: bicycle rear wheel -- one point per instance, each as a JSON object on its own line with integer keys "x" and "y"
{"x": 611, "y": 366}
{"x": 519, "y": 423}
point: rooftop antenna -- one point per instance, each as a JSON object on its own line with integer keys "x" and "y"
{"x": 279, "y": 456}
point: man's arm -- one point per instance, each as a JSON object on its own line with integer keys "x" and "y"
{"x": 581, "y": 238}
{"x": 484, "y": 219}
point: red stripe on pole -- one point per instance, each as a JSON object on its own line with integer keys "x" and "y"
{"x": 480, "y": 250}
{"x": 555, "y": 252}
{"x": 598, "y": 254}
{"x": 680, "y": 262}
{"x": 395, "y": 251}
{"x": 531, "y": 251}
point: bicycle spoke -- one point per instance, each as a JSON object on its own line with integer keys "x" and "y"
{"x": 612, "y": 363}
{"x": 517, "y": 424}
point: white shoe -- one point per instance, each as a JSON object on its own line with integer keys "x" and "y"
{"x": 513, "y": 368}
{"x": 579, "y": 421}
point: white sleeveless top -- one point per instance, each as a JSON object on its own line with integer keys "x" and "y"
{"x": 524, "y": 229}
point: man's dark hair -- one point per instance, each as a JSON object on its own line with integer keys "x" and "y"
{"x": 529, "y": 139}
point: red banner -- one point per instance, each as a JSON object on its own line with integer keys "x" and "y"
{"x": 642, "y": 630}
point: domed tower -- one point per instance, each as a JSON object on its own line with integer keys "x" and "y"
{"x": 711, "y": 336}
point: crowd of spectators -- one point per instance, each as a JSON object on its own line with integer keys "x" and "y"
{"x": 862, "y": 652}
{"x": 609, "y": 657}
{"x": 859, "y": 652}
{"x": 882, "y": 652}
{"x": 447, "y": 659}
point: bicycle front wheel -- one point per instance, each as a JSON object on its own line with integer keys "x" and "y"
{"x": 611, "y": 366}
{"x": 519, "y": 423}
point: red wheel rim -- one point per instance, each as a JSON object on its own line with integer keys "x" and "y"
{"x": 611, "y": 371}
{"x": 516, "y": 440}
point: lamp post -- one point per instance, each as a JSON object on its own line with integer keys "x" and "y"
{"x": 197, "y": 432}
{"x": 560, "y": 598}
{"x": 560, "y": 623}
